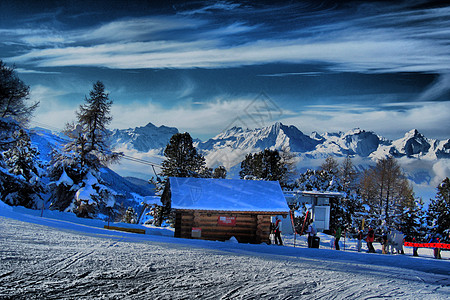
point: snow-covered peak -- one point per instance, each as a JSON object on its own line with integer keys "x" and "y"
{"x": 316, "y": 136}
{"x": 276, "y": 136}
{"x": 142, "y": 138}
{"x": 413, "y": 143}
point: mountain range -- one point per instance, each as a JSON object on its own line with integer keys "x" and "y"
{"x": 231, "y": 146}
{"x": 425, "y": 161}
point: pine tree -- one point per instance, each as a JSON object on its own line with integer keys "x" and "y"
{"x": 83, "y": 156}
{"x": 220, "y": 172}
{"x": 351, "y": 202}
{"x": 265, "y": 165}
{"x": 439, "y": 211}
{"x": 19, "y": 177}
{"x": 413, "y": 221}
{"x": 23, "y": 162}
{"x": 130, "y": 216}
{"x": 322, "y": 181}
{"x": 94, "y": 117}
{"x": 182, "y": 159}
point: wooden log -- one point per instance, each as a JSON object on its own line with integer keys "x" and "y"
{"x": 132, "y": 230}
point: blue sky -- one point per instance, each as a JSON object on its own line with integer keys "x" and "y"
{"x": 204, "y": 66}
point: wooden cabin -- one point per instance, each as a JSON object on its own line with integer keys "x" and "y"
{"x": 219, "y": 209}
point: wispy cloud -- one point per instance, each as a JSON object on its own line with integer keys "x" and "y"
{"x": 211, "y": 8}
{"x": 313, "y": 74}
{"x": 413, "y": 41}
{"x": 439, "y": 88}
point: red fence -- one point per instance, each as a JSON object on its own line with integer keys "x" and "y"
{"x": 427, "y": 245}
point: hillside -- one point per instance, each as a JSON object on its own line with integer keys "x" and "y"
{"x": 127, "y": 192}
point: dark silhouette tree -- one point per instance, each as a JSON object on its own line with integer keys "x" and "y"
{"x": 265, "y": 165}
{"x": 182, "y": 159}
{"x": 14, "y": 94}
{"x": 220, "y": 172}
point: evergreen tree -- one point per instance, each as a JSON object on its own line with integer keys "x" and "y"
{"x": 21, "y": 183}
{"x": 351, "y": 202}
{"x": 19, "y": 167}
{"x": 322, "y": 181}
{"x": 413, "y": 221}
{"x": 439, "y": 211}
{"x": 220, "y": 172}
{"x": 182, "y": 159}
{"x": 82, "y": 157}
{"x": 130, "y": 216}
{"x": 93, "y": 118}
{"x": 265, "y": 165}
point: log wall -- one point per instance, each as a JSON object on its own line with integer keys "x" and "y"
{"x": 249, "y": 227}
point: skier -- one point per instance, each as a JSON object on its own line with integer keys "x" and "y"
{"x": 272, "y": 234}
{"x": 437, "y": 251}
{"x": 277, "y": 231}
{"x": 415, "y": 248}
{"x": 384, "y": 244}
{"x": 370, "y": 238}
{"x": 337, "y": 236}
{"x": 360, "y": 237}
{"x": 311, "y": 233}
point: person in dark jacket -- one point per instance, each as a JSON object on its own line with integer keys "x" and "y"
{"x": 337, "y": 237}
{"x": 277, "y": 232}
{"x": 311, "y": 233}
{"x": 370, "y": 238}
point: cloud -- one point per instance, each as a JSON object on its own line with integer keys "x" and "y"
{"x": 51, "y": 113}
{"x": 412, "y": 41}
{"x": 312, "y": 74}
{"x": 431, "y": 119}
{"x": 25, "y": 71}
{"x": 438, "y": 88}
{"x": 209, "y": 9}
{"x": 201, "y": 119}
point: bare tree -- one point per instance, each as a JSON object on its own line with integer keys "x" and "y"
{"x": 387, "y": 191}
{"x": 14, "y": 94}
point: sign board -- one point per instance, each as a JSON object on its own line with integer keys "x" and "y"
{"x": 322, "y": 217}
{"x": 226, "y": 221}
{"x": 196, "y": 232}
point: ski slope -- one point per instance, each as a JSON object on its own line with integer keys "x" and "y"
{"x": 52, "y": 258}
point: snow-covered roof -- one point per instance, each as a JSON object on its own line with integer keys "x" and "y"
{"x": 227, "y": 195}
{"x": 314, "y": 193}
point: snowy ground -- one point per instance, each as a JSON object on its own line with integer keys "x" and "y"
{"x": 47, "y": 258}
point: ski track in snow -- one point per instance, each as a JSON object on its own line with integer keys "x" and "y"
{"x": 40, "y": 262}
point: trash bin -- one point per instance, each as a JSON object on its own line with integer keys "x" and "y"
{"x": 315, "y": 242}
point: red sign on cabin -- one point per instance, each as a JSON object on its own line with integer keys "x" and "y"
{"x": 226, "y": 221}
